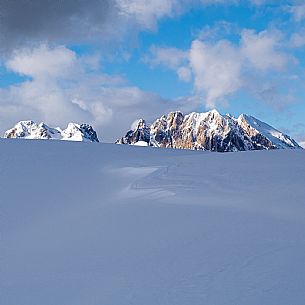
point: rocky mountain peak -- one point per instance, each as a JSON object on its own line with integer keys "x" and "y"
{"x": 140, "y": 124}
{"x": 208, "y": 131}
{"x": 140, "y": 133}
{"x": 31, "y": 130}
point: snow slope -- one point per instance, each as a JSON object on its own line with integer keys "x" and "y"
{"x": 94, "y": 224}
{"x": 279, "y": 139}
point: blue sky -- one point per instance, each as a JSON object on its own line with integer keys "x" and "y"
{"x": 110, "y": 64}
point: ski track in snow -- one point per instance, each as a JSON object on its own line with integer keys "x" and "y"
{"x": 87, "y": 224}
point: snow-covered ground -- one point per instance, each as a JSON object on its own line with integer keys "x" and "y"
{"x": 98, "y": 224}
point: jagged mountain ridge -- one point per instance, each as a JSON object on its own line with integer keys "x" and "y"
{"x": 208, "y": 131}
{"x": 73, "y": 132}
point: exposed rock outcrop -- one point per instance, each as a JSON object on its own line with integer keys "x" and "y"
{"x": 208, "y": 131}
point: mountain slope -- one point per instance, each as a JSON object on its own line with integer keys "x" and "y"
{"x": 31, "y": 130}
{"x": 137, "y": 226}
{"x": 255, "y": 127}
{"x": 208, "y": 131}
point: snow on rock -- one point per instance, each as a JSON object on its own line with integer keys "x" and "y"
{"x": 31, "y": 130}
{"x": 140, "y": 133}
{"x": 208, "y": 131}
{"x": 256, "y": 129}
{"x": 76, "y": 132}
{"x": 302, "y": 144}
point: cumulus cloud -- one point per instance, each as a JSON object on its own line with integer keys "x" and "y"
{"x": 63, "y": 87}
{"x": 171, "y": 58}
{"x": 43, "y": 62}
{"x": 216, "y": 70}
{"x": 146, "y": 13}
{"x": 168, "y": 57}
{"x": 297, "y": 39}
{"x": 262, "y": 49}
{"x": 31, "y": 22}
{"x": 298, "y": 12}
{"x": 220, "y": 68}
{"x": 184, "y": 73}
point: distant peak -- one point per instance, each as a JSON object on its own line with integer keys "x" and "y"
{"x": 31, "y": 130}
{"x": 138, "y": 124}
{"x": 245, "y": 116}
{"x": 209, "y": 131}
{"x": 214, "y": 111}
{"x": 25, "y": 123}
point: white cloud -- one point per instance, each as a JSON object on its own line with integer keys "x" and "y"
{"x": 147, "y": 12}
{"x": 28, "y": 23}
{"x": 220, "y": 68}
{"x": 297, "y": 40}
{"x": 259, "y": 2}
{"x": 91, "y": 21}
{"x": 42, "y": 62}
{"x": 63, "y": 87}
{"x": 298, "y": 12}
{"x": 262, "y": 49}
{"x": 216, "y": 70}
{"x": 184, "y": 74}
{"x": 219, "y": 30}
{"x": 169, "y": 57}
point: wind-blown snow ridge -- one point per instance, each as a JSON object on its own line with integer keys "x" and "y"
{"x": 32, "y": 130}
{"x": 208, "y": 131}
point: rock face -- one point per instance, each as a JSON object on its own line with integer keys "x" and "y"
{"x": 31, "y": 130}
{"x": 82, "y": 132}
{"x": 141, "y": 133}
{"x": 208, "y": 131}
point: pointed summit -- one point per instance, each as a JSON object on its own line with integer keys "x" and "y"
{"x": 209, "y": 131}
{"x": 139, "y": 133}
{"x": 32, "y": 130}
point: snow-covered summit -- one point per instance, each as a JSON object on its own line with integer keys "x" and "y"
{"x": 82, "y": 132}
{"x": 32, "y": 130}
{"x": 208, "y": 131}
{"x": 257, "y": 127}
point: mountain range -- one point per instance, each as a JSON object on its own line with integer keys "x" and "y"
{"x": 32, "y": 130}
{"x": 196, "y": 131}
{"x": 208, "y": 131}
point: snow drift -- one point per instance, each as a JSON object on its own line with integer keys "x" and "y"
{"x": 115, "y": 224}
